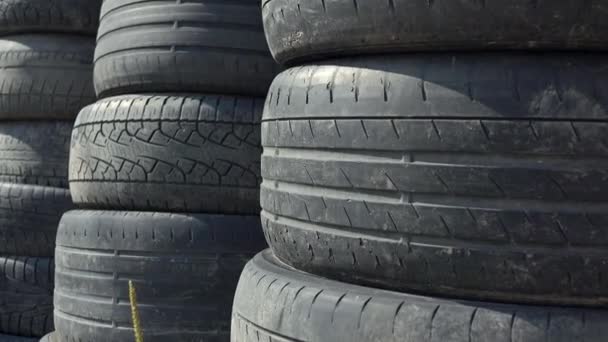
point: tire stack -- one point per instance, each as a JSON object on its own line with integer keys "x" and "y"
{"x": 432, "y": 173}
{"x": 165, "y": 169}
{"x": 46, "y": 55}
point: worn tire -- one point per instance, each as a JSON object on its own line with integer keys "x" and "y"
{"x": 26, "y": 289}
{"x": 35, "y": 152}
{"x": 64, "y": 16}
{"x": 304, "y": 30}
{"x": 51, "y": 337}
{"x": 436, "y": 174}
{"x": 45, "y": 76}
{"x": 195, "y": 46}
{"x": 29, "y": 216}
{"x": 189, "y": 153}
{"x": 184, "y": 268}
{"x": 276, "y": 303}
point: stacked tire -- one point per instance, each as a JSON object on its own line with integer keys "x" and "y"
{"x": 46, "y": 63}
{"x": 165, "y": 169}
{"x": 432, "y": 173}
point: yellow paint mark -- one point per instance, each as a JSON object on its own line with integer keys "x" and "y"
{"x": 139, "y": 337}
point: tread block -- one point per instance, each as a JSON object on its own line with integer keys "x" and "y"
{"x": 45, "y": 76}
{"x": 35, "y": 153}
{"x": 167, "y": 153}
{"x": 58, "y": 16}
{"x": 26, "y": 287}
{"x": 29, "y": 216}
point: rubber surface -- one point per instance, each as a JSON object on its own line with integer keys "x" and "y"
{"x": 474, "y": 176}
{"x": 29, "y": 216}
{"x": 48, "y": 338}
{"x": 35, "y": 152}
{"x": 12, "y": 338}
{"x": 192, "y": 153}
{"x": 194, "y": 46}
{"x": 45, "y": 76}
{"x": 26, "y": 289}
{"x": 303, "y": 30}
{"x": 184, "y": 268}
{"x": 276, "y": 303}
{"x": 43, "y": 16}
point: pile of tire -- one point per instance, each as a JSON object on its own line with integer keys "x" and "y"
{"x": 165, "y": 171}
{"x": 46, "y": 64}
{"x": 432, "y": 171}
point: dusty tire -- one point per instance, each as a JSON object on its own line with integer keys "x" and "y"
{"x": 303, "y": 30}
{"x": 26, "y": 289}
{"x": 48, "y": 338}
{"x": 64, "y": 16}
{"x": 433, "y": 175}
{"x": 35, "y": 152}
{"x": 184, "y": 268}
{"x": 29, "y": 216}
{"x": 195, "y": 46}
{"x": 190, "y": 153}
{"x": 275, "y": 302}
{"x": 45, "y": 76}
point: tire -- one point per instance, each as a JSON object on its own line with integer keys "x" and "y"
{"x": 274, "y": 302}
{"x": 35, "y": 152}
{"x": 195, "y": 46}
{"x": 184, "y": 268}
{"x": 63, "y": 16}
{"x": 29, "y": 216}
{"x": 298, "y": 31}
{"x": 191, "y": 153}
{"x": 48, "y": 338}
{"x": 11, "y": 338}
{"x": 45, "y": 76}
{"x": 433, "y": 175}
{"x": 26, "y": 287}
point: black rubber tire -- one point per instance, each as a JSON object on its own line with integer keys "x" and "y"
{"x": 44, "y": 16}
{"x": 26, "y": 289}
{"x": 190, "y": 153}
{"x": 11, "y": 338}
{"x": 45, "y": 76}
{"x": 29, "y": 216}
{"x": 277, "y": 303}
{"x": 35, "y": 152}
{"x": 194, "y": 46}
{"x": 438, "y": 175}
{"x": 184, "y": 268}
{"x": 298, "y": 30}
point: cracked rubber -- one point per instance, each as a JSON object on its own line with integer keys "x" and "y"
{"x": 191, "y": 46}
{"x": 190, "y": 153}
{"x": 304, "y": 30}
{"x": 35, "y": 152}
{"x": 44, "y": 16}
{"x": 184, "y": 269}
{"x": 475, "y": 176}
{"x": 276, "y": 303}
{"x": 26, "y": 289}
{"x": 29, "y": 216}
{"x": 45, "y": 76}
